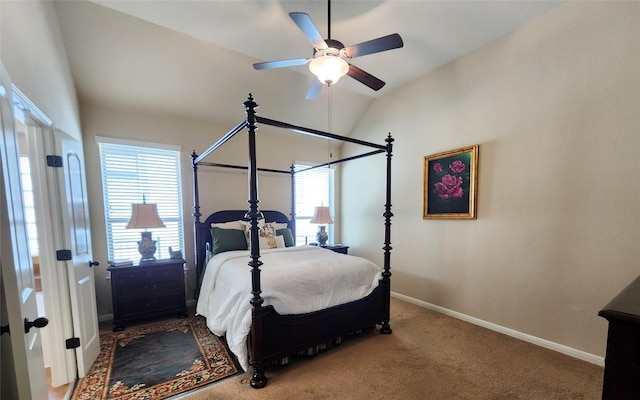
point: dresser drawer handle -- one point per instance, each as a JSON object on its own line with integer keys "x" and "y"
{"x": 150, "y": 287}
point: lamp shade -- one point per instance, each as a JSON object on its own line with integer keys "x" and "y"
{"x": 328, "y": 68}
{"x": 144, "y": 216}
{"x": 321, "y": 216}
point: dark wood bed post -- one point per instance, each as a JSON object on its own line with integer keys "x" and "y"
{"x": 196, "y": 221}
{"x": 386, "y": 273}
{"x": 293, "y": 202}
{"x": 258, "y": 379}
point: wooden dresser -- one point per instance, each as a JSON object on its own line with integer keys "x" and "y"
{"x": 150, "y": 290}
{"x": 622, "y": 361}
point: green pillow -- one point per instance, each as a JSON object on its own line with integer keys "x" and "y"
{"x": 288, "y": 236}
{"x": 227, "y": 240}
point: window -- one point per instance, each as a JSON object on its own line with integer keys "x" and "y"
{"x": 133, "y": 172}
{"x": 313, "y": 188}
{"x": 29, "y": 210}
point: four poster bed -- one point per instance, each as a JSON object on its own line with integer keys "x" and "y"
{"x": 285, "y": 305}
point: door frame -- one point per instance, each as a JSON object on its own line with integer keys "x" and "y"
{"x": 49, "y": 219}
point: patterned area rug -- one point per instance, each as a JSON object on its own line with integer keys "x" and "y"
{"x": 156, "y": 361}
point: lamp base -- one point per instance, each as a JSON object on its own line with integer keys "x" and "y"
{"x": 322, "y": 235}
{"x": 146, "y": 247}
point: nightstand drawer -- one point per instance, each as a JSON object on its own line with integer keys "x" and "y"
{"x": 141, "y": 290}
{"x": 149, "y": 304}
{"x": 133, "y": 277}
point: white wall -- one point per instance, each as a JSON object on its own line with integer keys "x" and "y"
{"x": 555, "y": 108}
{"x": 220, "y": 189}
{"x": 33, "y": 53}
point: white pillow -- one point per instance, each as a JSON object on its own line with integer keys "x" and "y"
{"x": 269, "y": 243}
{"x": 228, "y": 225}
{"x": 264, "y": 243}
{"x": 280, "y": 241}
{"x": 281, "y": 225}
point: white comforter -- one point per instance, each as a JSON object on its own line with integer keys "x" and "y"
{"x": 294, "y": 280}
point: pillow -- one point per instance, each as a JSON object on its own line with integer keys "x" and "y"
{"x": 269, "y": 243}
{"x": 281, "y": 225}
{"x": 227, "y": 240}
{"x": 227, "y": 225}
{"x": 280, "y": 241}
{"x": 288, "y": 236}
{"x": 265, "y": 230}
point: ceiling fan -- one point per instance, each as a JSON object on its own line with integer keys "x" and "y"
{"x": 330, "y": 57}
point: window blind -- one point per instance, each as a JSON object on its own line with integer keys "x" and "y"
{"x": 133, "y": 173}
{"x": 29, "y": 205}
{"x": 313, "y": 188}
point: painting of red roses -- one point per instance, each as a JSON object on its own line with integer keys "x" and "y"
{"x": 450, "y": 184}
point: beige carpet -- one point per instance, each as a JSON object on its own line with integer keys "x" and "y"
{"x": 428, "y": 356}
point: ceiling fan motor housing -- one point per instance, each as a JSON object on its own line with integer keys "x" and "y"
{"x": 329, "y": 63}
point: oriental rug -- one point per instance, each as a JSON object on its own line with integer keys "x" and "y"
{"x": 156, "y": 361}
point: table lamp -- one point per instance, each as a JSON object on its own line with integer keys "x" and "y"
{"x": 144, "y": 216}
{"x": 321, "y": 216}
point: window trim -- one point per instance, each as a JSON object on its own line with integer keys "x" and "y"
{"x": 302, "y": 165}
{"x": 181, "y": 215}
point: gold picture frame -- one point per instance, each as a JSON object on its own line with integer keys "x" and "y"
{"x": 451, "y": 184}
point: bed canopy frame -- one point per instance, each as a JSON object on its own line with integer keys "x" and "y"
{"x": 274, "y": 336}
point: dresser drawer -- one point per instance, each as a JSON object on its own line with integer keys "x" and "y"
{"x": 142, "y": 290}
{"x": 149, "y": 305}
{"x": 133, "y": 276}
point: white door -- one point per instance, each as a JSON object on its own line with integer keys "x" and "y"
{"x": 77, "y": 237}
{"x": 15, "y": 260}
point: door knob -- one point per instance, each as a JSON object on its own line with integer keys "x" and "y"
{"x": 38, "y": 323}
{"x": 94, "y": 263}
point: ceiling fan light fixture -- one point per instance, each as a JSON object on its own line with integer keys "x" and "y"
{"x": 329, "y": 68}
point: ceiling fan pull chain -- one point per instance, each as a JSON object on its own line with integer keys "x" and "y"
{"x": 330, "y": 120}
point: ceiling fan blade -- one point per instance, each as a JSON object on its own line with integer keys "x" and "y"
{"x": 314, "y": 90}
{"x": 389, "y": 42}
{"x": 365, "y": 78}
{"x": 282, "y": 63}
{"x": 309, "y": 29}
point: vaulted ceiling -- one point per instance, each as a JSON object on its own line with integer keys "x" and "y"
{"x": 193, "y": 59}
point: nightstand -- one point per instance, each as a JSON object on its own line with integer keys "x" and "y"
{"x": 338, "y": 248}
{"x": 150, "y": 290}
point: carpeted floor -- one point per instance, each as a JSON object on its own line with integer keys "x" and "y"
{"x": 428, "y": 356}
{"x": 156, "y": 361}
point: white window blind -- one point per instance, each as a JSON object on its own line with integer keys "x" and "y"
{"x": 29, "y": 209}
{"x": 131, "y": 173}
{"x": 313, "y": 188}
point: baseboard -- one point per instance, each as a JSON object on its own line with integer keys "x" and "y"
{"x": 547, "y": 344}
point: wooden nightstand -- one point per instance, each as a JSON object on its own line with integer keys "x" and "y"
{"x": 151, "y": 290}
{"x": 338, "y": 248}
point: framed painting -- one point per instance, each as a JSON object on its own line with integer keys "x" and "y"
{"x": 451, "y": 184}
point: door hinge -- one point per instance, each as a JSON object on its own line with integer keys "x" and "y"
{"x": 72, "y": 343}
{"x": 54, "y": 161}
{"x": 63, "y": 255}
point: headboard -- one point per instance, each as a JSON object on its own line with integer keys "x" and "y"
{"x": 203, "y": 230}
